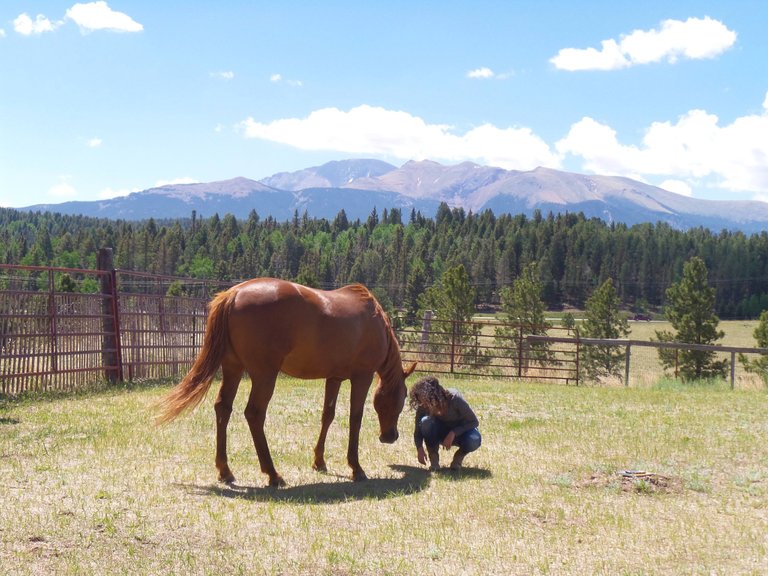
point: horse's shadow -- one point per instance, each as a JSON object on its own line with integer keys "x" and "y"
{"x": 413, "y": 480}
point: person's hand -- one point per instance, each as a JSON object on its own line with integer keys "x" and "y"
{"x": 448, "y": 440}
{"x": 421, "y": 455}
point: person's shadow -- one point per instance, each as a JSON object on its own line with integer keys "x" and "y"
{"x": 414, "y": 479}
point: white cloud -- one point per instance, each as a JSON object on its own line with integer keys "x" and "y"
{"x": 62, "y": 190}
{"x": 677, "y": 186}
{"x": 373, "y": 130}
{"x": 278, "y": 79}
{"x": 95, "y": 143}
{"x": 225, "y": 75}
{"x": 2, "y": 33}
{"x": 697, "y": 149}
{"x": 609, "y": 57}
{"x": 99, "y": 16}
{"x": 480, "y": 73}
{"x": 694, "y": 39}
{"x": 88, "y": 16}
{"x": 23, "y": 24}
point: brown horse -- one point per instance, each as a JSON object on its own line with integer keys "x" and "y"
{"x": 267, "y": 326}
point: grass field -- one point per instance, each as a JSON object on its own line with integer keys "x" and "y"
{"x": 737, "y": 332}
{"x": 90, "y": 486}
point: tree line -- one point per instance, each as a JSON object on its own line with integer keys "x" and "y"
{"x": 400, "y": 256}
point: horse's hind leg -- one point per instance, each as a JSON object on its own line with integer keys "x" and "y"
{"x": 332, "y": 386}
{"x": 223, "y": 407}
{"x": 263, "y": 385}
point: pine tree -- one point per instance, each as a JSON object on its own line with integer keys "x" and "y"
{"x": 522, "y": 305}
{"x": 759, "y": 365}
{"x": 690, "y": 310}
{"x": 604, "y": 320}
{"x": 453, "y": 303}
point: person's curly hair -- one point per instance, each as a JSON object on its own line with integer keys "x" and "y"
{"x": 429, "y": 395}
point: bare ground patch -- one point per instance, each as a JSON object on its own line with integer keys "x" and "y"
{"x": 634, "y": 481}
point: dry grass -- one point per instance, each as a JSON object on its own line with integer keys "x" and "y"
{"x": 737, "y": 332}
{"x": 91, "y": 487}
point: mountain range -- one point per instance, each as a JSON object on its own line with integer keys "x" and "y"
{"x": 357, "y": 186}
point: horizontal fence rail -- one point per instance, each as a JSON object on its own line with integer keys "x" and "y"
{"x": 66, "y": 328}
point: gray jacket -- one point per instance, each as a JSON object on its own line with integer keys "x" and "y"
{"x": 459, "y": 417}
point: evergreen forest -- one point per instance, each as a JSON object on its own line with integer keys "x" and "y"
{"x": 400, "y": 255}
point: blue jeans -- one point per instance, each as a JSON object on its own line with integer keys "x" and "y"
{"x": 434, "y": 430}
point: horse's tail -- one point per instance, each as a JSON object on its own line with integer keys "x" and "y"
{"x": 188, "y": 393}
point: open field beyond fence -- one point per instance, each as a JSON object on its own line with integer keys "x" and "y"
{"x": 90, "y": 486}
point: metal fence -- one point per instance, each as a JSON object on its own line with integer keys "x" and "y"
{"x": 487, "y": 348}
{"x": 519, "y": 352}
{"x": 64, "y": 329}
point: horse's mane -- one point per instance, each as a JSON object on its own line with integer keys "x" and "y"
{"x": 393, "y": 364}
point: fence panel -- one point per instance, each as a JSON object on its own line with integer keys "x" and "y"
{"x": 160, "y": 335}
{"x": 57, "y": 335}
{"x": 486, "y": 348}
{"x": 49, "y": 339}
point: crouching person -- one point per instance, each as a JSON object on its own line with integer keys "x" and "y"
{"x": 444, "y": 418}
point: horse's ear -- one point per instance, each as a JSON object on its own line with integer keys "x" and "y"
{"x": 408, "y": 371}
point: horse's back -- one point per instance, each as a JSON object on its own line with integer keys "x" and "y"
{"x": 305, "y": 332}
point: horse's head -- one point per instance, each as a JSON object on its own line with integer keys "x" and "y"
{"x": 388, "y": 401}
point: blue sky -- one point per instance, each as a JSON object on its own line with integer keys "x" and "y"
{"x": 99, "y": 99}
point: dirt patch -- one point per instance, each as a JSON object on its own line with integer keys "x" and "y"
{"x": 638, "y": 481}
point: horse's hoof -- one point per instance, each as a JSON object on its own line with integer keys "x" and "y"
{"x": 320, "y": 467}
{"x": 359, "y": 476}
{"x": 276, "y": 482}
{"x": 227, "y": 478}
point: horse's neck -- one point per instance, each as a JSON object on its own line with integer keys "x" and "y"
{"x": 392, "y": 368}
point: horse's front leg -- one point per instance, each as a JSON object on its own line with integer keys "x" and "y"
{"x": 332, "y": 386}
{"x": 256, "y": 413}
{"x": 223, "y": 408}
{"x": 357, "y": 396}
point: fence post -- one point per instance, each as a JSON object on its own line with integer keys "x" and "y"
{"x": 53, "y": 324}
{"x": 578, "y": 355}
{"x": 626, "y": 365}
{"x": 110, "y": 338}
{"x": 733, "y": 369}
{"x": 453, "y": 344}
{"x": 426, "y": 328}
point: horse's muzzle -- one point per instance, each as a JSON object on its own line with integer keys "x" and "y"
{"x": 389, "y": 437}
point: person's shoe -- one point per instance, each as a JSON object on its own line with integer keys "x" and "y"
{"x": 458, "y": 458}
{"x": 434, "y": 458}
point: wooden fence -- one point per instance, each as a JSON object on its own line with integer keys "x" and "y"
{"x": 64, "y": 329}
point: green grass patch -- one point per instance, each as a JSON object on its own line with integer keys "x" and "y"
{"x": 91, "y": 486}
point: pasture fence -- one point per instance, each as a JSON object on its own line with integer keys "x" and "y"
{"x": 66, "y": 328}
{"x": 485, "y": 347}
